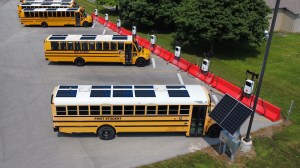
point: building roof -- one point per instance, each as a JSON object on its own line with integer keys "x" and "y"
{"x": 291, "y": 5}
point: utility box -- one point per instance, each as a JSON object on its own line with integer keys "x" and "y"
{"x": 205, "y": 65}
{"x": 133, "y": 30}
{"x": 249, "y": 85}
{"x": 119, "y": 23}
{"x": 177, "y": 52}
{"x": 106, "y": 17}
{"x": 153, "y": 39}
{"x": 232, "y": 142}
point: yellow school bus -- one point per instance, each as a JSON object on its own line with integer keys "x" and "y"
{"x": 81, "y": 49}
{"x": 55, "y": 17}
{"x": 47, "y": 5}
{"x": 71, "y": 2}
{"x": 107, "y": 110}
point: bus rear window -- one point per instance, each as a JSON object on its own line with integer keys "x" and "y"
{"x": 61, "y": 110}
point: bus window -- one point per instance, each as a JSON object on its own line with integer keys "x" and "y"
{"x": 36, "y": 14}
{"x": 84, "y": 46}
{"x": 58, "y": 14}
{"x": 27, "y": 14}
{"x": 63, "y": 14}
{"x": 162, "y": 110}
{"x": 40, "y": 14}
{"x": 95, "y": 110}
{"x": 151, "y": 110}
{"x": 184, "y": 109}
{"x": 31, "y": 14}
{"x": 105, "y": 110}
{"x": 139, "y": 110}
{"x": 45, "y": 14}
{"x": 120, "y": 46}
{"x": 83, "y": 110}
{"x": 70, "y": 46}
{"x": 72, "y": 14}
{"x": 128, "y": 110}
{"x": 50, "y": 14}
{"x": 54, "y": 14}
{"x": 68, "y": 14}
{"x": 113, "y": 46}
{"x": 92, "y": 46}
{"x": 173, "y": 110}
{"x": 72, "y": 110}
{"x": 137, "y": 46}
{"x": 61, "y": 110}
{"x": 99, "y": 46}
{"x": 77, "y": 45}
{"x": 117, "y": 110}
{"x": 54, "y": 45}
{"x": 106, "y": 46}
{"x": 63, "y": 45}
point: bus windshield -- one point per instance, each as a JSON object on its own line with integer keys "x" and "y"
{"x": 138, "y": 46}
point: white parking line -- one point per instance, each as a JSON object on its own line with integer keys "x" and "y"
{"x": 94, "y": 24}
{"x": 153, "y": 62}
{"x": 215, "y": 99}
{"x": 180, "y": 79}
{"x": 104, "y": 31}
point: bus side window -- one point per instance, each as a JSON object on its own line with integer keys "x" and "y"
{"x": 128, "y": 110}
{"x": 58, "y": 14}
{"x": 31, "y": 14}
{"x": 41, "y": 14}
{"x": 83, "y": 110}
{"x": 27, "y": 14}
{"x": 72, "y": 110}
{"x": 45, "y": 14}
{"x": 120, "y": 46}
{"x": 139, "y": 110}
{"x": 72, "y": 14}
{"x": 36, "y": 14}
{"x": 117, "y": 110}
{"x": 173, "y": 110}
{"x": 84, "y": 46}
{"x": 92, "y": 45}
{"x": 162, "y": 110}
{"x": 50, "y": 14}
{"x": 151, "y": 110}
{"x": 95, "y": 110}
{"x": 54, "y": 14}
{"x": 54, "y": 45}
{"x": 106, "y": 46}
{"x": 77, "y": 46}
{"x": 106, "y": 110}
{"x": 63, "y": 14}
{"x": 99, "y": 46}
{"x": 184, "y": 109}
{"x": 113, "y": 46}
{"x": 68, "y": 14}
{"x": 61, "y": 110}
{"x": 70, "y": 46}
{"x": 63, "y": 45}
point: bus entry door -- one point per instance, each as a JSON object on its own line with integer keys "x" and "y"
{"x": 128, "y": 54}
{"x": 77, "y": 19}
{"x": 197, "y": 122}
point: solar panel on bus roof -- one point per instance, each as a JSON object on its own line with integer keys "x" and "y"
{"x": 66, "y": 93}
{"x": 88, "y": 35}
{"x": 175, "y": 87}
{"x": 144, "y": 93}
{"x": 68, "y": 87}
{"x": 143, "y": 87}
{"x": 88, "y": 38}
{"x": 59, "y": 35}
{"x": 100, "y": 93}
{"x": 101, "y": 87}
{"x": 28, "y": 9}
{"x": 72, "y": 9}
{"x": 122, "y": 87}
{"x": 178, "y": 93}
{"x": 57, "y": 38}
{"x": 230, "y": 114}
{"x": 119, "y": 37}
{"x": 51, "y": 9}
{"x": 122, "y": 93}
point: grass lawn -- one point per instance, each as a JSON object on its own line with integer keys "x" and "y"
{"x": 281, "y": 85}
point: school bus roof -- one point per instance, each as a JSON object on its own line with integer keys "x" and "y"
{"x": 46, "y": 4}
{"x": 86, "y": 37}
{"x": 130, "y": 95}
{"x": 46, "y": 1}
{"x": 49, "y": 9}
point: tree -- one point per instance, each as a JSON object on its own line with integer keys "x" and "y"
{"x": 221, "y": 20}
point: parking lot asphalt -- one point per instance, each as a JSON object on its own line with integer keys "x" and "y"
{"x": 27, "y": 81}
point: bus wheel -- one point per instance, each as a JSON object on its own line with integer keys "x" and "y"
{"x": 79, "y": 61}
{"x": 140, "y": 62}
{"x": 214, "y": 131}
{"x": 85, "y": 24}
{"x": 106, "y": 133}
{"x": 44, "y": 24}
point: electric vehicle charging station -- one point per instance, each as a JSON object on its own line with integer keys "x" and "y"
{"x": 106, "y": 18}
{"x": 249, "y": 83}
{"x": 205, "y": 65}
{"x": 266, "y": 34}
{"x": 153, "y": 40}
{"x": 96, "y": 13}
{"x": 119, "y": 23}
{"x": 133, "y": 30}
{"x": 177, "y": 52}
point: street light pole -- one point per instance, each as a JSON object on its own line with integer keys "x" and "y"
{"x": 262, "y": 72}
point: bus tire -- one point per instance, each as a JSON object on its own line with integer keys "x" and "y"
{"x": 44, "y": 24}
{"x": 106, "y": 133}
{"x": 85, "y": 24}
{"x": 140, "y": 62}
{"x": 214, "y": 131}
{"x": 79, "y": 62}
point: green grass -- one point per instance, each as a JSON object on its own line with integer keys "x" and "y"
{"x": 281, "y": 85}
